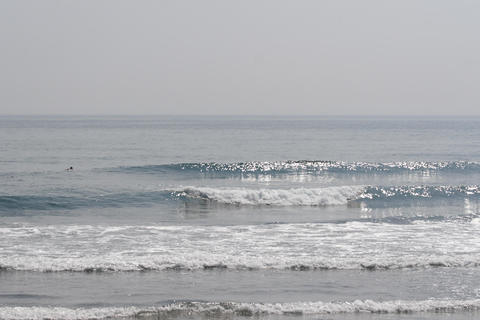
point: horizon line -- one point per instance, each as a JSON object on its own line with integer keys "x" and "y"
{"x": 232, "y": 115}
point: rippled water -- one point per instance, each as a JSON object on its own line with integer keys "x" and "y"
{"x": 194, "y": 217}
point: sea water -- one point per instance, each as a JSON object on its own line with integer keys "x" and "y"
{"x": 178, "y": 217}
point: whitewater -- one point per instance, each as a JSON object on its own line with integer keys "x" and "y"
{"x": 351, "y": 245}
{"x": 237, "y": 217}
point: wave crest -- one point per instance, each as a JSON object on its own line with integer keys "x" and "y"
{"x": 278, "y": 197}
{"x": 327, "y": 196}
{"x": 302, "y": 166}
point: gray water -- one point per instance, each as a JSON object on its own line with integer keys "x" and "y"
{"x": 239, "y": 217}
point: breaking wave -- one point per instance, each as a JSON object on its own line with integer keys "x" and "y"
{"x": 327, "y": 196}
{"x": 278, "y": 197}
{"x": 243, "y": 309}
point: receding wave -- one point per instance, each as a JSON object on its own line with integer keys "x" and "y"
{"x": 244, "y": 309}
{"x": 310, "y": 246}
{"x": 303, "y": 166}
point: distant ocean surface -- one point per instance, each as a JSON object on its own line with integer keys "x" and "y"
{"x": 183, "y": 217}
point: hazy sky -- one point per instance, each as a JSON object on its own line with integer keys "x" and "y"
{"x": 240, "y": 57}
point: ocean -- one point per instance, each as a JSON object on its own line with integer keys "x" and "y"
{"x": 239, "y": 217}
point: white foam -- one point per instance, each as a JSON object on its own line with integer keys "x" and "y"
{"x": 40, "y": 313}
{"x": 243, "y": 309}
{"x": 353, "y": 245}
{"x": 277, "y": 197}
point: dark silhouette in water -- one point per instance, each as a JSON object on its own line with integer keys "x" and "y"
{"x": 69, "y": 169}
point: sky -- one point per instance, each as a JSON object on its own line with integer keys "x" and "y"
{"x": 405, "y": 57}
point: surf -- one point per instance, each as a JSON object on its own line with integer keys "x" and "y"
{"x": 243, "y": 309}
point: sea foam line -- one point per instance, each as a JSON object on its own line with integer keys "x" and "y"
{"x": 242, "y": 309}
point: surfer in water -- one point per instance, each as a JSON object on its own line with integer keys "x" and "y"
{"x": 69, "y": 169}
